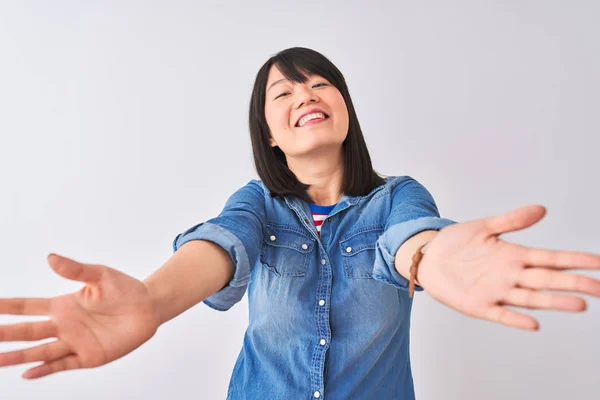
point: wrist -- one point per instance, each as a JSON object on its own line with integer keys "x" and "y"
{"x": 416, "y": 261}
{"x": 423, "y": 251}
{"x": 404, "y": 255}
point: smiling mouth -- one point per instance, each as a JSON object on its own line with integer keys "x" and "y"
{"x": 311, "y": 121}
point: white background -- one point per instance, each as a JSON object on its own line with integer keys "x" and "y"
{"x": 123, "y": 123}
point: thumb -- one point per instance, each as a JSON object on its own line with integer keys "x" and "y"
{"x": 515, "y": 220}
{"x": 73, "y": 270}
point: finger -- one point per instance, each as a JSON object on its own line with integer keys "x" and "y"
{"x": 28, "y": 331}
{"x": 47, "y": 368}
{"x": 539, "y": 300}
{"x": 73, "y": 270}
{"x": 548, "y": 279}
{"x": 515, "y": 220}
{"x": 511, "y": 318}
{"x": 561, "y": 259}
{"x": 25, "y": 306}
{"x": 45, "y": 352}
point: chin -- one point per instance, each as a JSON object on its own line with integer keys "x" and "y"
{"x": 321, "y": 148}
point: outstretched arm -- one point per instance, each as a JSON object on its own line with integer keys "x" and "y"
{"x": 198, "y": 269}
{"x": 470, "y": 269}
{"x": 113, "y": 314}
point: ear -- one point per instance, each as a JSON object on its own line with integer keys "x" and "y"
{"x": 272, "y": 142}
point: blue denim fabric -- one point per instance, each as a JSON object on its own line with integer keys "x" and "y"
{"x": 328, "y": 314}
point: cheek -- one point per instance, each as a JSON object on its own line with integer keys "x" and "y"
{"x": 278, "y": 127}
{"x": 277, "y": 120}
{"x": 274, "y": 122}
{"x": 341, "y": 112}
{"x": 339, "y": 106}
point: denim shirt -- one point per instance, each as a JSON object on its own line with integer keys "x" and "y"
{"x": 329, "y": 315}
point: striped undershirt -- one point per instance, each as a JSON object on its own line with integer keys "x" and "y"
{"x": 319, "y": 214}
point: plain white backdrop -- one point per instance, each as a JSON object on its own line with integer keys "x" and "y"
{"x": 123, "y": 123}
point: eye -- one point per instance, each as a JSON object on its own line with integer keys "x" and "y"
{"x": 314, "y": 86}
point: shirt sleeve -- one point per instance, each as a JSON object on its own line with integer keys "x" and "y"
{"x": 238, "y": 230}
{"x": 413, "y": 211}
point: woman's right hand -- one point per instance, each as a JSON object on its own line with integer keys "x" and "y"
{"x": 112, "y": 315}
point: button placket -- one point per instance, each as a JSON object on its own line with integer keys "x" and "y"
{"x": 323, "y": 329}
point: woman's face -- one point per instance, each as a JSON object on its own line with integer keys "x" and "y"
{"x": 294, "y": 126}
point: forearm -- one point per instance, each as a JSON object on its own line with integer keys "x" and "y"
{"x": 195, "y": 271}
{"x": 404, "y": 255}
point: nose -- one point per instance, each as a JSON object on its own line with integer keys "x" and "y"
{"x": 306, "y": 96}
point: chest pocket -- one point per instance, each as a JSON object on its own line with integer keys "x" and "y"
{"x": 358, "y": 251}
{"x": 286, "y": 250}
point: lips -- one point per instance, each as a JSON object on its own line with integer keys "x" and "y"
{"x": 311, "y": 111}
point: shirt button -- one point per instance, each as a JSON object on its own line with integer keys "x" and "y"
{"x": 304, "y": 246}
{"x": 348, "y": 249}
{"x": 321, "y": 302}
{"x": 323, "y": 342}
{"x": 323, "y": 261}
{"x": 272, "y": 238}
{"x": 317, "y": 394}
{"x": 329, "y": 219}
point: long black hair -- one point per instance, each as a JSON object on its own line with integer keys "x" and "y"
{"x": 359, "y": 177}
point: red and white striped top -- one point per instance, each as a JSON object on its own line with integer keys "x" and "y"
{"x": 319, "y": 214}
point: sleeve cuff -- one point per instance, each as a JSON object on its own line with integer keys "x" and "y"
{"x": 225, "y": 298}
{"x": 389, "y": 243}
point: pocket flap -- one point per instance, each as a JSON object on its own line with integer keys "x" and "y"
{"x": 287, "y": 237}
{"x": 360, "y": 240}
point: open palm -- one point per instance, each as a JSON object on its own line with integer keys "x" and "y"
{"x": 470, "y": 269}
{"x": 108, "y": 318}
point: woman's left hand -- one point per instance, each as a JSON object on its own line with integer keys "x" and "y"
{"x": 468, "y": 268}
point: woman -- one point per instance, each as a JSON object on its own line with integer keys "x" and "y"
{"x": 323, "y": 245}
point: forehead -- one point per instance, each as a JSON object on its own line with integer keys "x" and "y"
{"x": 275, "y": 75}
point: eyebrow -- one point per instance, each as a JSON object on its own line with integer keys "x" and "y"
{"x": 275, "y": 83}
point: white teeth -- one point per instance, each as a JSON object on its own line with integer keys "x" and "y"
{"x": 309, "y": 117}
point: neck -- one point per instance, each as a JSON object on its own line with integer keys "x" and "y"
{"x": 323, "y": 173}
